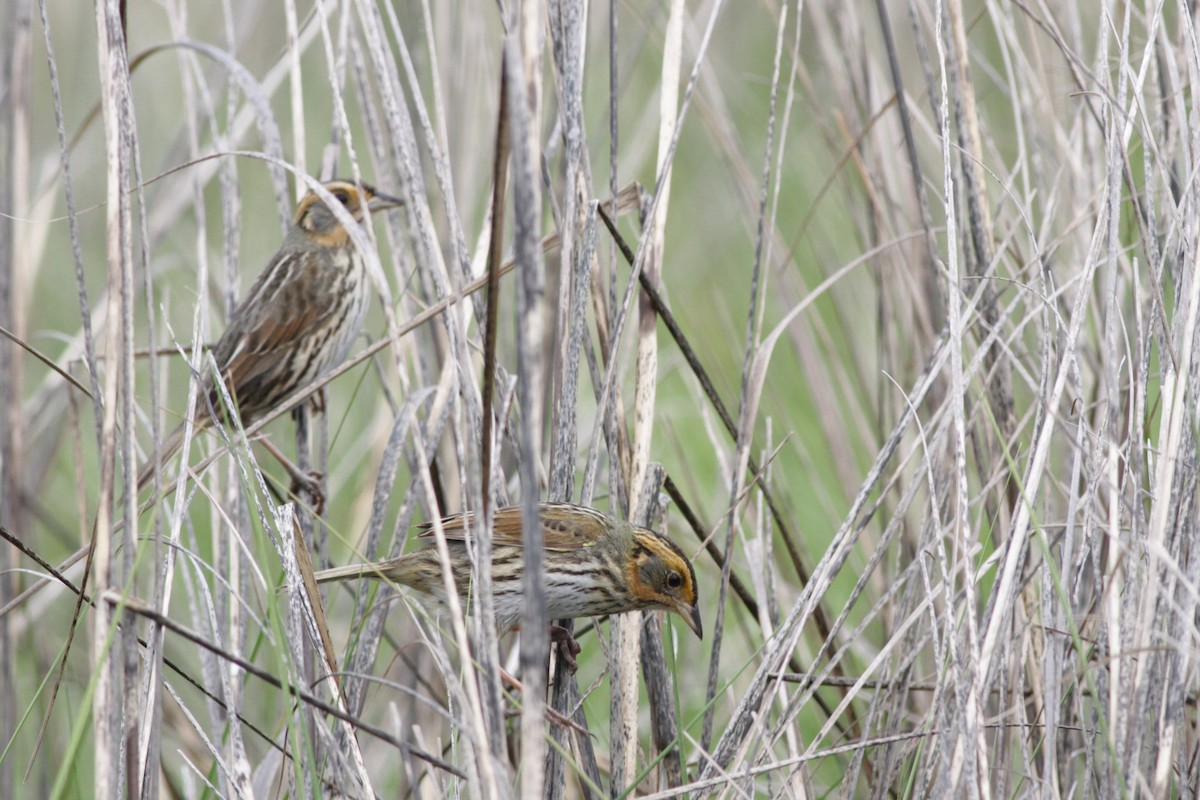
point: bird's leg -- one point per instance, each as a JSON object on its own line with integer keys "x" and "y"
{"x": 568, "y": 648}
{"x": 307, "y": 482}
{"x": 310, "y": 483}
{"x": 317, "y": 401}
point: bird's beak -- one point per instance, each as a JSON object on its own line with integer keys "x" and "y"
{"x": 691, "y": 616}
{"x": 380, "y": 201}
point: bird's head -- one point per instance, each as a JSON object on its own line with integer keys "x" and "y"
{"x": 660, "y": 575}
{"x": 315, "y": 218}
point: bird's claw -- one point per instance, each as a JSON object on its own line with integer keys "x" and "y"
{"x": 310, "y": 484}
{"x": 568, "y": 648}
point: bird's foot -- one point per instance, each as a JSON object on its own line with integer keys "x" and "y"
{"x": 310, "y": 483}
{"x": 568, "y": 648}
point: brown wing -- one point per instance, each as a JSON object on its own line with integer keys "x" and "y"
{"x": 564, "y": 526}
{"x": 280, "y": 310}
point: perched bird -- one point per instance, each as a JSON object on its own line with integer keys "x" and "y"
{"x": 300, "y": 316}
{"x": 595, "y": 565}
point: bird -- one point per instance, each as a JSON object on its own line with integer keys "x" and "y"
{"x": 299, "y": 318}
{"x": 595, "y": 565}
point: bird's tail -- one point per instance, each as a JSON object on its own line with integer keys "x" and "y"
{"x": 348, "y": 573}
{"x": 408, "y": 570}
{"x": 382, "y": 571}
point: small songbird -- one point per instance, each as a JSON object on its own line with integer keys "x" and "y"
{"x": 300, "y": 317}
{"x": 595, "y": 565}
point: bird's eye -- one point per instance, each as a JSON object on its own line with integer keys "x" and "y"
{"x": 674, "y": 580}
{"x": 342, "y": 196}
